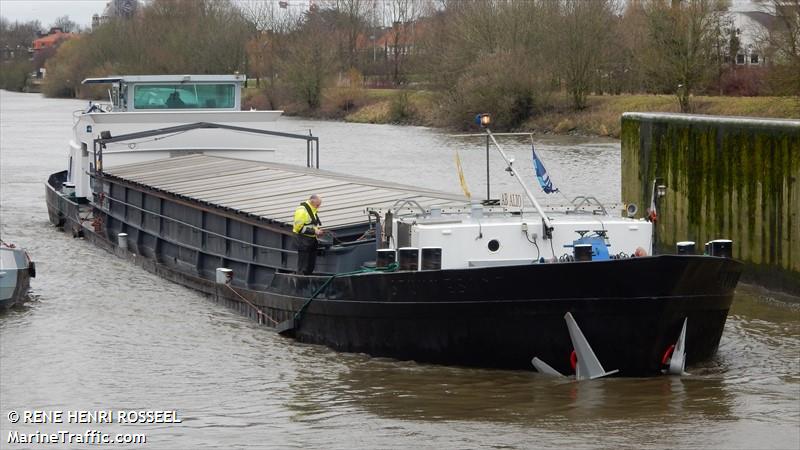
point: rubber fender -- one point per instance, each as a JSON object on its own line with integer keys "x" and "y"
{"x": 32, "y": 269}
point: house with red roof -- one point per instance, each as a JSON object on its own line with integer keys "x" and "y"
{"x": 51, "y": 39}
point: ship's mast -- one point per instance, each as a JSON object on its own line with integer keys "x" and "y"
{"x": 527, "y": 190}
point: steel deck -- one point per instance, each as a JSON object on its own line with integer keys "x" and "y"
{"x": 273, "y": 190}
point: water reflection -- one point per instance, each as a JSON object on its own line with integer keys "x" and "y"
{"x": 407, "y": 391}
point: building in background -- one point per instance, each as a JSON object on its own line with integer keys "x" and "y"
{"x": 51, "y": 39}
{"x": 116, "y": 9}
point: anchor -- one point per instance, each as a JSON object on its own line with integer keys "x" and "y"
{"x": 677, "y": 362}
{"x": 588, "y": 367}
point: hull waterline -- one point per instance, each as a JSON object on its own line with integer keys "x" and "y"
{"x": 630, "y": 310}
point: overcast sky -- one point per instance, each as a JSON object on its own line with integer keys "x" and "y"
{"x": 81, "y": 11}
{"x": 46, "y": 11}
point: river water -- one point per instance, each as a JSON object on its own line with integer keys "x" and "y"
{"x": 101, "y": 334}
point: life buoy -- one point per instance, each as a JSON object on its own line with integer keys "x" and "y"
{"x": 667, "y": 355}
{"x": 573, "y": 360}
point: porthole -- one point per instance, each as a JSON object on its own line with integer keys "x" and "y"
{"x": 493, "y": 245}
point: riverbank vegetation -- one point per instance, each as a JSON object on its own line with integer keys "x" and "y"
{"x": 557, "y": 65}
{"x": 15, "y": 66}
{"x": 600, "y": 117}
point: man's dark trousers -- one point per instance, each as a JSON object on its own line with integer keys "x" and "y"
{"x": 306, "y": 254}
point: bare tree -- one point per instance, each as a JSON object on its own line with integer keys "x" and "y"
{"x": 265, "y": 16}
{"x": 585, "y": 35}
{"x": 494, "y": 56}
{"x": 403, "y": 17}
{"x": 18, "y": 35}
{"x": 724, "y": 47}
{"x": 15, "y": 38}
{"x": 681, "y": 36}
{"x": 782, "y": 43}
{"x": 352, "y": 18}
{"x": 170, "y": 36}
{"x": 269, "y": 45}
{"x": 260, "y": 13}
{"x": 66, "y": 25}
{"x": 626, "y": 44}
{"x": 309, "y": 59}
{"x": 194, "y": 36}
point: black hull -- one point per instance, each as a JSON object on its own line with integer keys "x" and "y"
{"x": 630, "y": 310}
{"x": 502, "y": 317}
{"x": 62, "y": 211}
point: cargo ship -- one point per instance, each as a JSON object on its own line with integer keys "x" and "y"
{"x": 171, "y": 175}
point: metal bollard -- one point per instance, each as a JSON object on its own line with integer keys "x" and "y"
{"x": 722, "y": 248}
{"x": 686, "y": 248}
{"x": 122, "y": 240}
{"x": 431, "y": 258}
{"x": 408, "y": 258}
{"x": 224, "y": 276}
{"x": 386, "y": 256}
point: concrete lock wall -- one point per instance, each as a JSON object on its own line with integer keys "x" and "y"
{"x": 726, "y": 177}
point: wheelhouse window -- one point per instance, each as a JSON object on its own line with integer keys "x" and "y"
{"x": 184, "y": 96}
{"x": 754, "y": 58}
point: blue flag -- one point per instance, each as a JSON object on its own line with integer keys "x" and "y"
{"x": 541, "y": 174}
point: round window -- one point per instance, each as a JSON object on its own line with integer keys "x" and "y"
{"x": 494, "y": 245}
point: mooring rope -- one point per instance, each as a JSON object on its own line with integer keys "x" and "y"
{"x": 258, "y": 310}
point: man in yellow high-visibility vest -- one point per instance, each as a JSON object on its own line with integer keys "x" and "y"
{"x": 307, "y": 228}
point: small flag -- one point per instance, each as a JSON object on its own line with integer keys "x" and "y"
{"x": 461, "y": 178}
{"x": 541, "y": 174}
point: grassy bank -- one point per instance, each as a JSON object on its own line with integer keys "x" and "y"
{"x": 601, "y": 117}
{"x": 355, "y": 105}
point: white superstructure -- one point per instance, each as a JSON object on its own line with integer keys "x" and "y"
{"x": 481, "y": 236}
{"x": 139, "y": 103}
{"x": 494, "y": 236}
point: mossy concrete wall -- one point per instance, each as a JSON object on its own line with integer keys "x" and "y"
{"x": 726, "y": 177}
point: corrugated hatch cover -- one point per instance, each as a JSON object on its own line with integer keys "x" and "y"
{"x": 272, "y": 190}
